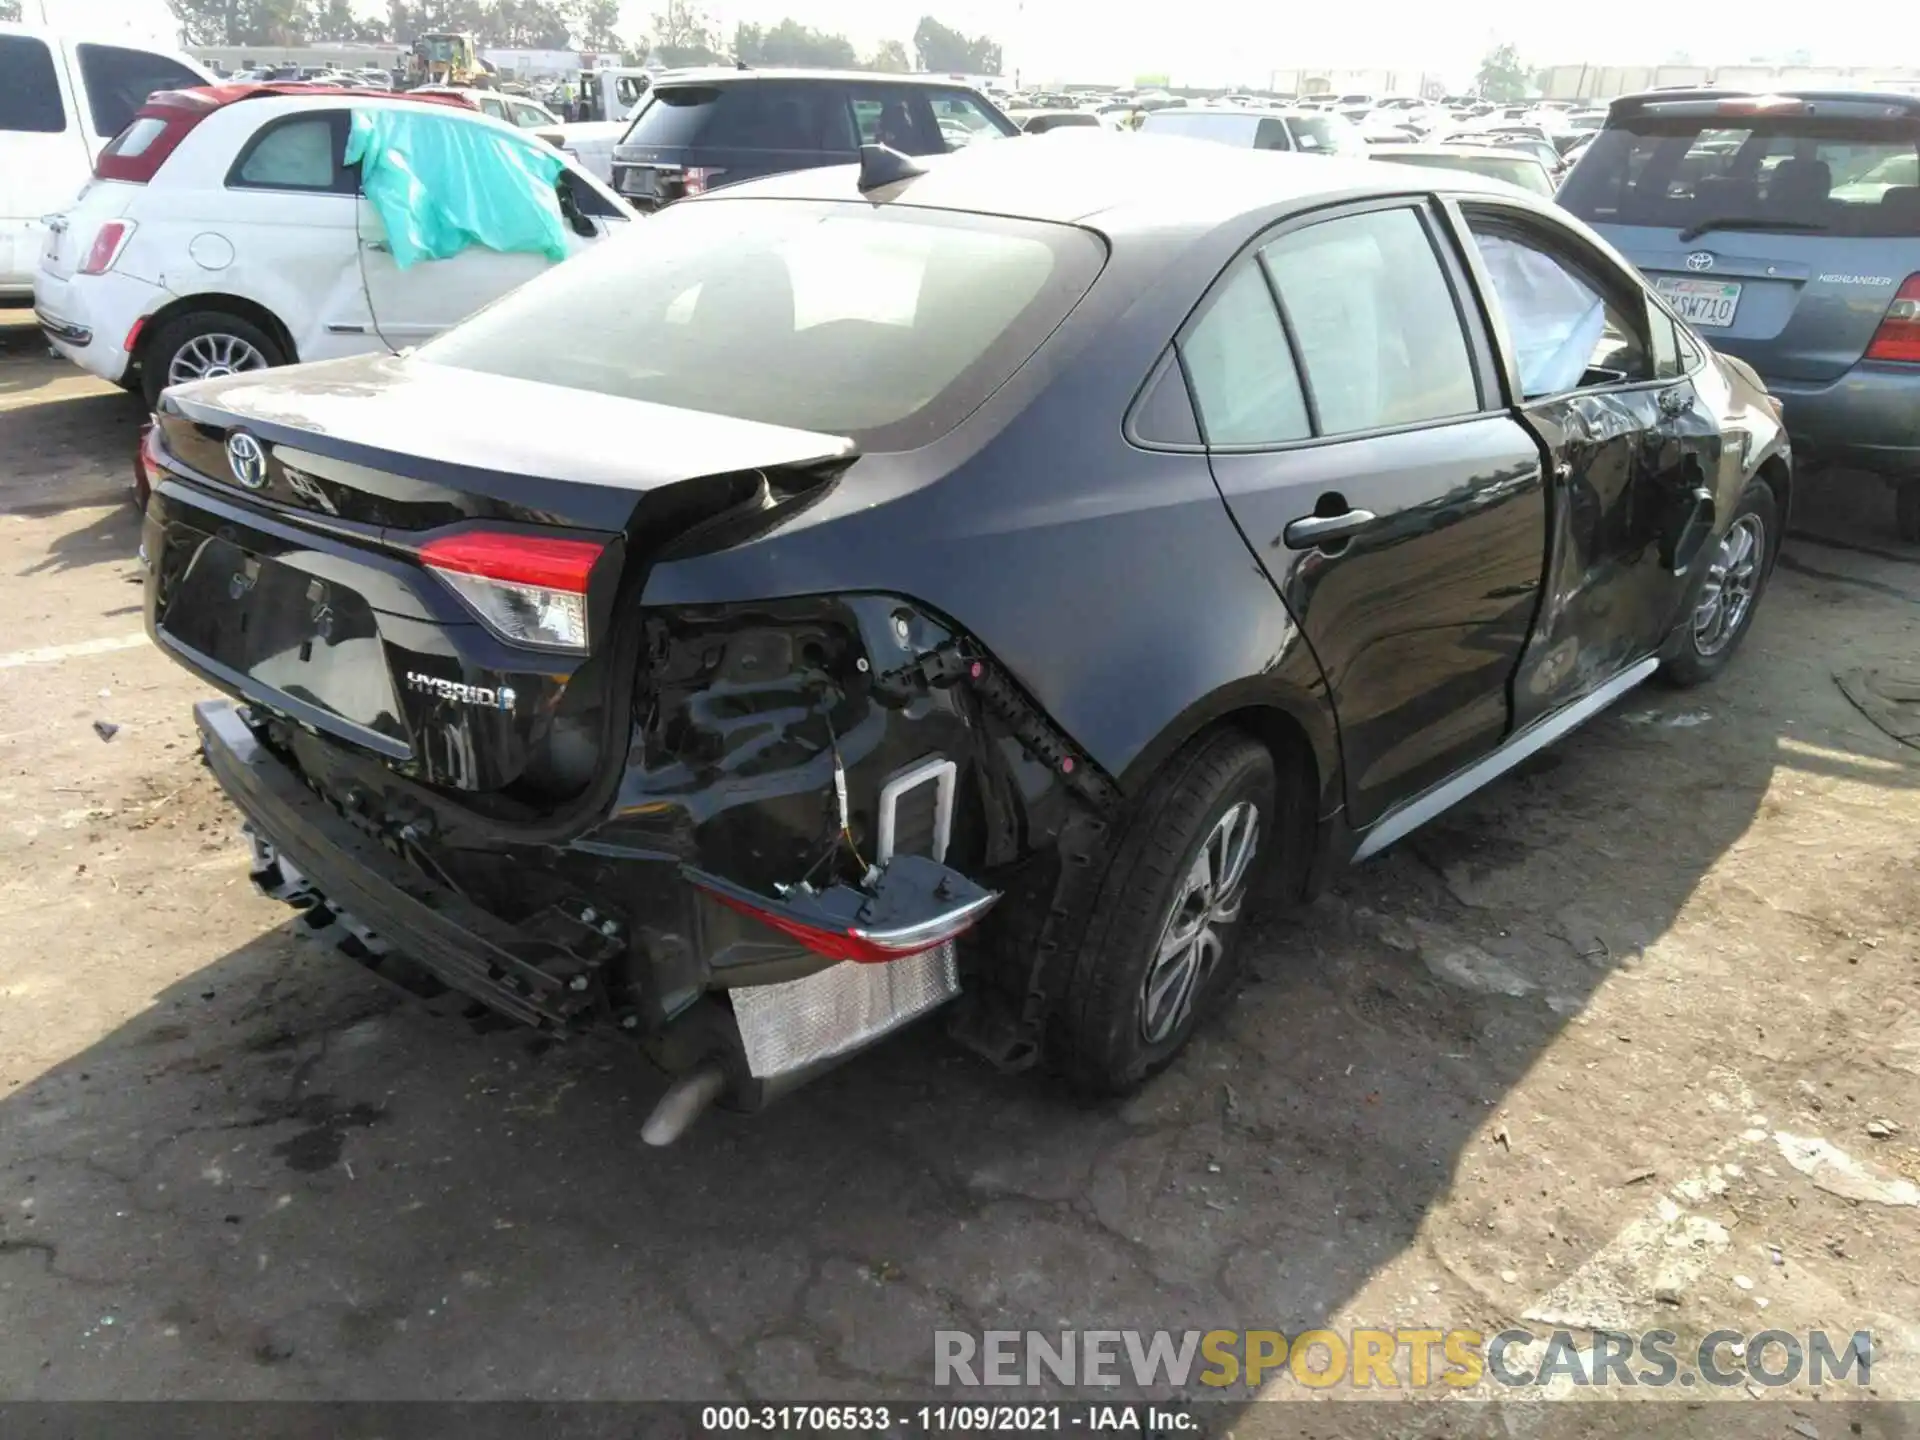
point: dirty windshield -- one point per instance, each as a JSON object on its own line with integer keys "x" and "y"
{"x": 1844, "y": 177}
{"x": 887, "y": 327}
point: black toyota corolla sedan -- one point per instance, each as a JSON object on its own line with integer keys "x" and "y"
{"x": 968, "y": 580}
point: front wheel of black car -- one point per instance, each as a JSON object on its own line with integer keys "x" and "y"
{"x": 1726, "y": 592}
{"x": 1160, "y": 949}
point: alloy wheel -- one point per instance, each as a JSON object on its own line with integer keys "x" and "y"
{"x": 206, "y": 356}
{"x": 1193, "y": 939}
{"x": 1732, "y": 580}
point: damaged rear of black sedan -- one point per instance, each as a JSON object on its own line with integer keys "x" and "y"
{"x": 823, "y": 604}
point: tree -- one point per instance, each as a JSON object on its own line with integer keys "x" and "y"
{"x": 595, "y": 24}
{"x": 524, "y": 25}
{"x": 890, "y": 55}
{"x": 337, "y": 20}
{"x": 791, "y": 43}
{"x": 683, "y": 35}
{"x": 939, "y": 48}
{"x": 242, "y": 22}
{"x": 1501, "y": 75}
{"x": 10, "y": 10}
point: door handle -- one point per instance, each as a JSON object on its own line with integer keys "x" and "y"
{"x": 1311, "y": 530}
{"x": 380, "y": 246}
{"x": 1675, "y": 402}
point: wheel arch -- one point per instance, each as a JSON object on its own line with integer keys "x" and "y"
{"x": 1779, "y": 477}
{"x": 1299, "y": 730}
{"x": 219, "y": 302}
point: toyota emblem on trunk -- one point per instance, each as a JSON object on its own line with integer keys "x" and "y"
{"x": 247, "y": 458}
{"x": 1700, "y": 260}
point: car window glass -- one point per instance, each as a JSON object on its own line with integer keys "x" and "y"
{"x": 899, "y": 118}
{"x": 1271, "y": 135}
{"x": 1242, "y": 371}
{"x": 118, "y": 82}
{"x": 29, "y": 90}
{"x": 1847, "y": 176}
{"x": 1374, "y": 317}
{"x": 962, "y": 119}
{"x": 1164, "y": 415}
{"x": 491, "y": 106}
{"x": 1667, "y": 364}
{"x": 293, "y": 155}
{"x": 527, "y": 117}
{"x": 1565, "y": 334}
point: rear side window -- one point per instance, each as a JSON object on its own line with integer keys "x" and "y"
{"x": 299, "y": 153}
{"x": 1229, "y": 129}
{"x": 759, "y": 115}
{"x": 29, "y": 90}
{"x": 1792, "y": 173}
{"x": 1271, "y": 135}
{"x": 1325, "y": 134}
{"x": 887, "y": 326}
{"x": 118, "y": 82}
{"x": 1374, "y": 317}
{"x": 1241, "y": 369}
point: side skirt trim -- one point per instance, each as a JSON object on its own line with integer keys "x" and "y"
{"x": 1403, "y": 821}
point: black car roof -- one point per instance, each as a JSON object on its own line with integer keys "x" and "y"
{"x": 733, "y": 75}
{"x": 1132, "y": 182}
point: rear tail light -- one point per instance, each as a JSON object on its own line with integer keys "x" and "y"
{"x": 833, "y": 923}
{"x": 108, "y": 241}
{"x": 147, "y": 469}
{"x": 699, "y": 179}
{"x": 527, "y": 589}
{"x": 1898, "y": 337}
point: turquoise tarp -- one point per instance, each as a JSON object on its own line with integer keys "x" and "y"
{"x": 441, "y": 184}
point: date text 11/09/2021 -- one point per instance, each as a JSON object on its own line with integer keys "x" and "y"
{"x": 946, "y": 1419}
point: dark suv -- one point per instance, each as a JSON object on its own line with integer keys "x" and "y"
{"x": 1786, "y": 228}
{"x": 703, "y": 128}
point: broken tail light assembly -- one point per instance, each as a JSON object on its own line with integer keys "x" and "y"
{"x": 527, "y": 589}
{"x": 1898, "y": 338}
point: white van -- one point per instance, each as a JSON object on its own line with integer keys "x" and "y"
{"x": 61, "y": 100}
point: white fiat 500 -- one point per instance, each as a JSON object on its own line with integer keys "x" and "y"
{"x": 223, "y": 231}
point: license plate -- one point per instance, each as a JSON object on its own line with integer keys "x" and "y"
{"x": 639, "y": 182}
{"x": 1700, "y": 302}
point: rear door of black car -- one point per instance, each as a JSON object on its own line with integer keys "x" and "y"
{"x": 1596, "y": 373}
{"x": 1354, "y": 423}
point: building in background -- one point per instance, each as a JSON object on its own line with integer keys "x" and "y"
{"x": 229, "y": 58}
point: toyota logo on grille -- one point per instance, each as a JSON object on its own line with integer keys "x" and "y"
{"x": 247, "y": 458}
{"x": 1700, "y": 260}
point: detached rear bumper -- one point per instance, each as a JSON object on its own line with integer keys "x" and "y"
{"x": 465, "y": 948}
{"x": 1869, "y": 418}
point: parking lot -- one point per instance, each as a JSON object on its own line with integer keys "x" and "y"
{"x": 1566, "y": 1057}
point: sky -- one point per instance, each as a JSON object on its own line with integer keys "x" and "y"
{"x": 1234, "y": 42}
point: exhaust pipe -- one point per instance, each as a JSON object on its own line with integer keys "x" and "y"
{"x": 686, "y": 1099}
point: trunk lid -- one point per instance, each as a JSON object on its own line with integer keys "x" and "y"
{"x": 300, "y": 552}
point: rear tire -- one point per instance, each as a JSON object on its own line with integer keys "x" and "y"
{"x": 1906, "y": 510}
{"x": 1726, "y": 593}
{"x": 201, "y": 345}
{"x": 1161, "y": 946}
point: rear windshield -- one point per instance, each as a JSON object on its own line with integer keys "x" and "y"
{"x": 1515, "y": 170}
{"x": 888, "y": 326}
{"x": 763, "y": 115}
{"x": 1791, "y": 173}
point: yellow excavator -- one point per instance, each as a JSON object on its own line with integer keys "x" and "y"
{"x": 445, "y": 58}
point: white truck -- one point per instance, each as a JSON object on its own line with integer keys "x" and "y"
{"x": 63, "y": 98}
{"x": 608, "y": 98}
